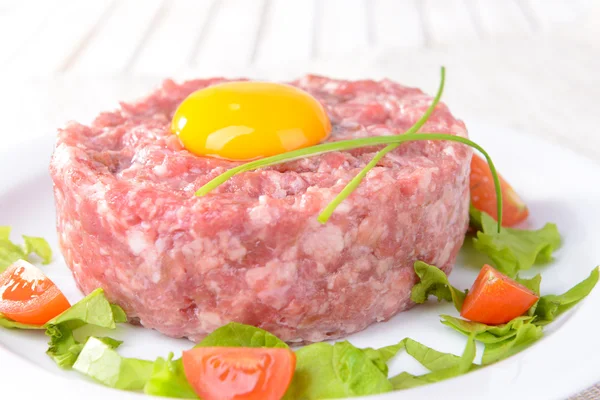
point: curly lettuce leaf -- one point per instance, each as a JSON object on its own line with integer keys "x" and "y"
{"x": 434, "y": 282}
{"x": 549, "y": 307}
{"x": 240, "y": 335}
{"x": 10, "y": 252}
{"x": 442, "y": 365}
{"x": 486, "y": 333}
{"x": 94, "y": 310}
{"x": 102, "y": 363}
{"x": 38, "y": 246}
{"x": 325, "y": 371}
{"x": 168, "y": 380}
{"x": 512, "y": 250}
{"x": 381, "y": 356}
{"x": 501, "y": 341}
{"x": 525, "y": 336}
{"x": 532, "y": 284}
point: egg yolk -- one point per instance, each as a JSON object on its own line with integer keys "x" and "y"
{"x": 249, "y": 120}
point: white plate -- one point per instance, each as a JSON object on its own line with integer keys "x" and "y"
{"x": 558, "y": 185}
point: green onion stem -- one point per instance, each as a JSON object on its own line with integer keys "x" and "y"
{"x": 353, "y": 144}
{"x": 392, "y": 143}
{"x": 353, "y": 184}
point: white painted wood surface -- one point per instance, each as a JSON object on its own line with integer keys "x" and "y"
{"x": 528, "y": 64}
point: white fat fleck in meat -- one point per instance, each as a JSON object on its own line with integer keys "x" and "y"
{"x": 210, "y": 320}
{"x": 97, "y": 193}
{"x": 137, "y": 241}
{"x": 160, "y": 170}
{"x": 61, "y": 157}
{"x": 143, "y": 247}
{"x": 274, "y": 281}
{"x": 232, "y": 246}
{"x": 326, "y": 244}
{"x": 425, "y": 179}
{"x": 262, "y": 214}
{"x": 449, "y": 151}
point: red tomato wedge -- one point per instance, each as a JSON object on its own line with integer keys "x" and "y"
{"x": 28, "y": 296}
{"x": 483, "y": 195}
{"x": 240, "y": 373}
{"x": 496, "y": 299}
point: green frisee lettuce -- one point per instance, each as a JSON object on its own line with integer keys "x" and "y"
{"x": 513, "y": 250}
{"x": 434, "y": 282}
{"x": 10, "y": 252}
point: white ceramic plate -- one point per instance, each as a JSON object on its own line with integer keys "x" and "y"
{"x": 558, "y": 185}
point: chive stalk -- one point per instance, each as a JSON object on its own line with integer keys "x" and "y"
{"x": 392, "y": 143}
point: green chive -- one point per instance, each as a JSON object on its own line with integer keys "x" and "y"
{"x": 392, "y": 143}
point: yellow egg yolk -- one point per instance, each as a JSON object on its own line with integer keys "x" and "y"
{"x": 248, "y": 120}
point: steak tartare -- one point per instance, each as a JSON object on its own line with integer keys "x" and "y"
{"x": 252, "y": 251}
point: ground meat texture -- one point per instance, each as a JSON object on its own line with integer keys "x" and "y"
{"x": 252, "y": 251}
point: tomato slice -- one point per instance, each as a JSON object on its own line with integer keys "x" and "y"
{"x": 240, "y": 373}
{"x": 28, "y": 296}
{"x": 496, "y": 299}
{"x": 483, "y": 195}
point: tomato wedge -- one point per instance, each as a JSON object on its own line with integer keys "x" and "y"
{"x": 496, "y": 299}
{"x": 28, "y": 296}
{"x": 483, "y": 195}
{"x": 240, "y": 373}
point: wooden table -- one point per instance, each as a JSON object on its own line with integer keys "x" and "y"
{"x": 529, "y": 64}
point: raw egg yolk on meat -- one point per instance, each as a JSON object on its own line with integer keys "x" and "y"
{"x": 249, "y": 120}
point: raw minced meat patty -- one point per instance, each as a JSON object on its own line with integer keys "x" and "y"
{"x": 252, "y": 251}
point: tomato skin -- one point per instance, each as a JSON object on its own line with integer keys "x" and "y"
{"x": 239, "y": 373}
{"x": 483, "y": 195}
{"x": 28, "y": 296}
{"x": 496, "y": 299}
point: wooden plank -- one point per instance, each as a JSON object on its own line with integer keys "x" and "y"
{"x": 287, "y": 32}
{"x": 500, "y": 17}
{"x": 65, "y": 26}
{"x": 230, "y": 36}
{"x": 112, "y": 48}
{"x": 342, "y": 28}
{"x": 172, "y": 41}
{"x": 397, "y": 23}
{"x": 448, "y": 21}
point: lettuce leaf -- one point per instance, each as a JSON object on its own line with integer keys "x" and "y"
{"x": 381, "y": 356}
{"x": 551, "y": 306}
{"x": 442, "y": 365}
{"x": 525, "y": 336}
{"x": 532, "y": 284}
{"x": 39, "y": 246}
{"x": 501, "y": 341}
{"x": 9, "y": 324}
{"x": 435, "y": 282}
{"x": 325, "y": 371}
{"x": 240, "y": 335}
{"x": 94, "y": 310}
{"x": 486, "y": 333}
{"x": 168, "y": 380}
{"x": 102, "y": 363}
{"x": 10, "y": 252}
{"x": 512, "y": 250}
